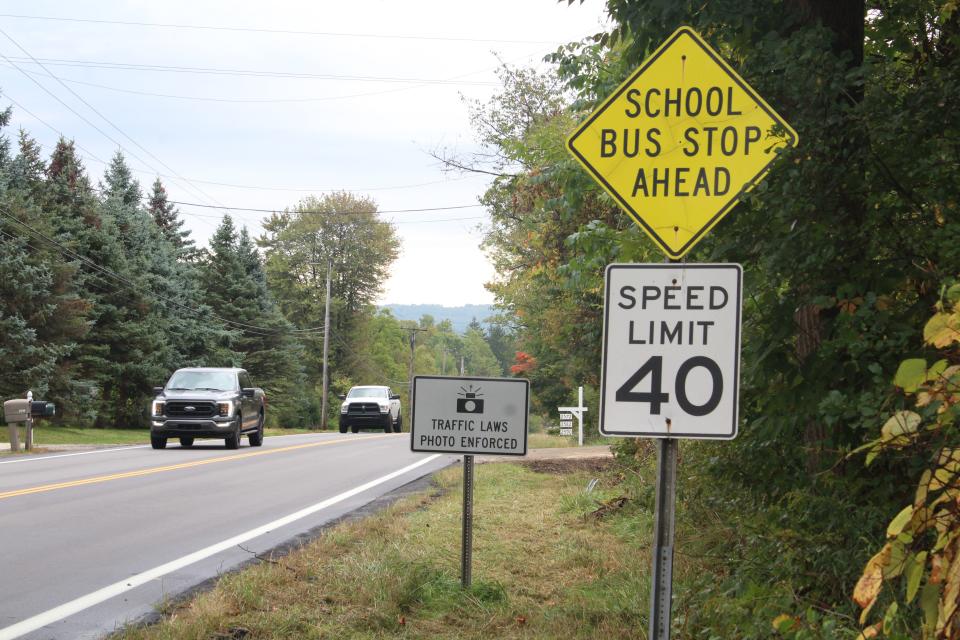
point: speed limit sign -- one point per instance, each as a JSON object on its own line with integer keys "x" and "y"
{"x": 671, "y": 351}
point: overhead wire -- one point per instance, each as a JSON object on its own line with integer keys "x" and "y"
{"x": 190, "y": 187}
{"x": 255, "y": 73}
{"x": 172, "y": 96}
{"x": 92, "y": 155}
{"x": 6, "y": 96}
{"x": 334, "y": 34}
{"x": 332, "y": 213}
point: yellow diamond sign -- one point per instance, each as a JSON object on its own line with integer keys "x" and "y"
{"x": 679, "y": 141}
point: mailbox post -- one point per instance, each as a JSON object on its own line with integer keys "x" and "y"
{"x": 25, "y": 410}
{"x": 28, "y": 436}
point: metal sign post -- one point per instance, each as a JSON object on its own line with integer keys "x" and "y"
{"x": 469, "y": 416}
{"x": 466, "y": 548}
{"x": 661, "y": 596}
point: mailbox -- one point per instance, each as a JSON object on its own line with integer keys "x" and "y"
{"x": 16, "y": 410}
{"x": 42, "y": 409}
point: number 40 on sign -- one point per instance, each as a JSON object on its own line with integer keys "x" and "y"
{"x": 671, "y": 350}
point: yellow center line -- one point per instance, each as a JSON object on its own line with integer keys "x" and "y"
{"x": 172, "y": 467}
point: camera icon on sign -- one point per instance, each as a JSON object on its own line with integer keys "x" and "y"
{"x": 470, "y": 402}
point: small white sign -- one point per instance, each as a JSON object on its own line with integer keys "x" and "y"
{"x": 566, "y": 431}
{"x": 671, "y": 351}
{"x": 470, "y": 415}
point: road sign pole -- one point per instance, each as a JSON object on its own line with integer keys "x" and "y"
{"x": 466, "y": 551}
{"x": 580, "y": 417}
{"x": 661, "y": 594}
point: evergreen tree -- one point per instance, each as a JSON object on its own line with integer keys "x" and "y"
{"x": 40, "y": 314}
{"x": 235, "y": 284}
{"x": 167, "y": 218}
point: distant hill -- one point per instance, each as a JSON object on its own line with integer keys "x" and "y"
{"x": 459, "y": 316}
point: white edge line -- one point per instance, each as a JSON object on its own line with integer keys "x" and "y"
{"x": 96, "y": 597}
{"x": 135, "y": 446}
{"x": 78, "y": 453}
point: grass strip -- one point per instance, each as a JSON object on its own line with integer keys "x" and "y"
{"x": 543, "y": 568}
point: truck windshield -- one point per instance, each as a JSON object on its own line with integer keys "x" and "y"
{"x": 202, "y": 380}
{"x": 367, "y": 392}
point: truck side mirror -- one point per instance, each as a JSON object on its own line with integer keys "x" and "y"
{"x": 342, "y": 396}
{"x": 157, "y": 391}
{"x": 249, "y": 392}
{"x": 395, "y": 397}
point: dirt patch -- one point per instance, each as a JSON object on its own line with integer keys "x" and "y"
{"x": 569, "y": 465}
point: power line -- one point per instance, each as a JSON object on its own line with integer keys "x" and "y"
{"x": 103, "y": 117}
{"x": 331, "y": 34}
{"x": 50, "y": 126}
{"x": 172, "y": 96}
{"x": 316, "y": 189}
{"x": 317, "y": 211}
{"x": 66, "y": 251}
{"x": 200, "y": 215}
{"x": 296, "y": 75}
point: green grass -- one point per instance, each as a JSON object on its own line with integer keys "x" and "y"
{"x": 542, "y": 568}
{"x": 45, "y": 434}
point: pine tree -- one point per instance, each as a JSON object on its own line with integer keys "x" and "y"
{"x": 235, "y": 284}
{"x": 41, "y": 315}
{"x": 167, "y": 218}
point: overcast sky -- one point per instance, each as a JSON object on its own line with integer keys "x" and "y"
{"x": 357, "y": 104}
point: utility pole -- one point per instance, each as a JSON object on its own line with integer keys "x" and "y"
{"x": 413, "y": 352}
{"x": 461, "y": 366}
{"x": 326, "y": 350}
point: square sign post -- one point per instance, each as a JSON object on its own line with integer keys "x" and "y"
{"x": 471, "y": 416}
{"x": 676, "y": 145}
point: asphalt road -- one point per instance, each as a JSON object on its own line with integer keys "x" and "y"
{"x": 91, "y": 541}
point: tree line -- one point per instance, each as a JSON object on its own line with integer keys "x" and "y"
{"x": 103, "y": 293}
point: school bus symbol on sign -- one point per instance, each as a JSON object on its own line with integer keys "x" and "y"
{"x": 679, "y": 141}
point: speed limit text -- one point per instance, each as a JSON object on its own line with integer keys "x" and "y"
{"x": 672, "y": 298}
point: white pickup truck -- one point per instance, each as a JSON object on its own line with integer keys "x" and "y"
{"x": 370, "y": 407}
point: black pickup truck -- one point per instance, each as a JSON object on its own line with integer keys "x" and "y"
{"x": 207, "y": 403}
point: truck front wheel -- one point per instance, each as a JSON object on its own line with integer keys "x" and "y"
{"x": 256, "y": 438}
{"x": 232, "y": 441}
{"x": 158, "y": 442}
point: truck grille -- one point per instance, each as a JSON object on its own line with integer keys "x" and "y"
{"x": 363, "y": 409}
{"x": 178, "y": 409}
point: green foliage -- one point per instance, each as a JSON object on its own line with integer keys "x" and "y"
{"x": 843, "y": 245}
{"x": 923, "y": 539}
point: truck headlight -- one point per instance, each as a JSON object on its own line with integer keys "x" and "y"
{"x": 344, "y": 407}
{"x": 384, "y": 408}
{"x": 158, "y": 406}
{"x": 225, "y": 409}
